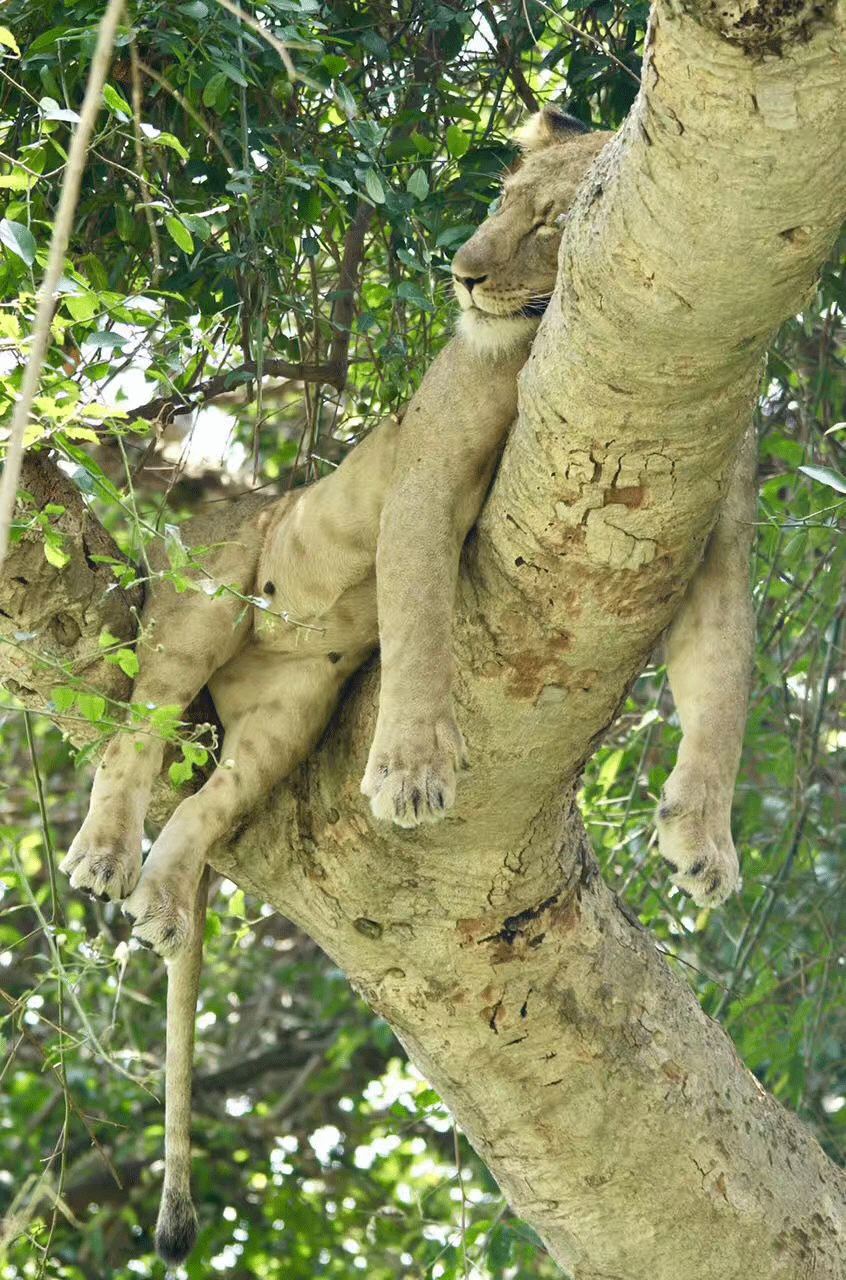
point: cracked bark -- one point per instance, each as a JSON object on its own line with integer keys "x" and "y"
{"x": 615, "y": 1115}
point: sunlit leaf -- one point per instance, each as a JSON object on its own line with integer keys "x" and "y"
{"x": 18, "y": 238}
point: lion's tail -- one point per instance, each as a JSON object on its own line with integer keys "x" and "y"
{"x": 176, "y": 1229}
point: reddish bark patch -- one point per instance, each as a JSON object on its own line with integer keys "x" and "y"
{"x": 531, "y": 671}
{"x": 630, "y": 496}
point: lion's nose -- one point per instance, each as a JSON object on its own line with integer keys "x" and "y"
{"x": 469, "y": 282}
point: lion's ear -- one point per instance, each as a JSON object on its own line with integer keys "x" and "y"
{"x": 547, "y": 127}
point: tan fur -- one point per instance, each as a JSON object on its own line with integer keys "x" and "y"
{"x": 388, "y": 525}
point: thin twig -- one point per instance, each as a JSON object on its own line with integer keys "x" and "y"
{"x": 249, "y": 21}
{"x": 146, "y": 198}
{"x": 190, "y": 110}
{"x": 55, "y": 262}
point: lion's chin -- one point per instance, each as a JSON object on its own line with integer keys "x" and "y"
{"x": 493, "y": 335}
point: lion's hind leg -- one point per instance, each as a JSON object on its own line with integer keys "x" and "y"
{"x": 262, "y": 745}
{"x": 709, "y": 655}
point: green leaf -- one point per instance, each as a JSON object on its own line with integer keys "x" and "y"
{"x": 198, "y": 226}
{"x": 424, "y": 145}
{"x": 17, "y": 180}
{"x": 457, "y": 141}
{"x": 231, "y": 72}
{"x": 114, "y": 101}
{"x": 103, "y": 338}
{"x": 822, "y": 474}
{"x": 18, "y": 238}
{"x": 89, "y": 477}
{"x": 168, "y": 140}
{"x": 9, "y": 40}
{"x": 176, "y": 551}
{"x": 91, "y": 706}
{"x": 180, "y": 772}
{"x": 127, "y": 660}
{"x": 212, "y": 88}
{"x": 54, "y": 552}
{"x": 82, "y": 306}
{"x": 374, "y": 187}
{"x": 409, "y": 292}
{"x": 180, "y": 234}
{"x": 238, "y": 905}
{"x": 165, "y": 719}
{"x": 418, "y": 184}
{"x": 63, "y": 697}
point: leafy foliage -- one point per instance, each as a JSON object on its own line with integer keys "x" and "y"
{"x": 235, "y": 223}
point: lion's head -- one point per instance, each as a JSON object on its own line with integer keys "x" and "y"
{"x": 505, "y": 273}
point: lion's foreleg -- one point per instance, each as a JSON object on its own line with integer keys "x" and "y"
{"x": 709, "y": 656}
{"x": 417, "y": 746}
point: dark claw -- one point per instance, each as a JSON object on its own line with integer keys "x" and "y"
{"x": 672, "y": 865}
{"x": 416, "y": 800}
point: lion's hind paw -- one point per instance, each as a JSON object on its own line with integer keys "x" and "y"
{"x": 162, "y": 915}
{"x": 694, "y": 837}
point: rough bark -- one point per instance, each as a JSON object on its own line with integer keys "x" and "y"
{"x": 616, "y": 1116}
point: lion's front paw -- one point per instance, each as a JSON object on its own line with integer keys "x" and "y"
{"x": 162, "y": 910}
{"x": 694, "y": 833}
{"x": 104, "y": 860}
{"x": 410, "y": 775}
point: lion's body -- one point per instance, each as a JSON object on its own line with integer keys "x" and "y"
{"x": 379, "y": 538}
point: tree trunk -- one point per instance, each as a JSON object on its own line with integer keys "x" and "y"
{"x": 615, "y": 1115}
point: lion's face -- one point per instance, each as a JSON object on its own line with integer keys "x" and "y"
{"x": 505, "y": 273}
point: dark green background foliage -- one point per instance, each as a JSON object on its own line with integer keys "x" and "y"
{"x": 219, "y": 235}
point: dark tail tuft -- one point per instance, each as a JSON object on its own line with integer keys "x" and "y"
{"x": 176, "y": 1229}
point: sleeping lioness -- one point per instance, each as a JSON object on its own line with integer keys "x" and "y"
{"x": 382, "y": 533}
